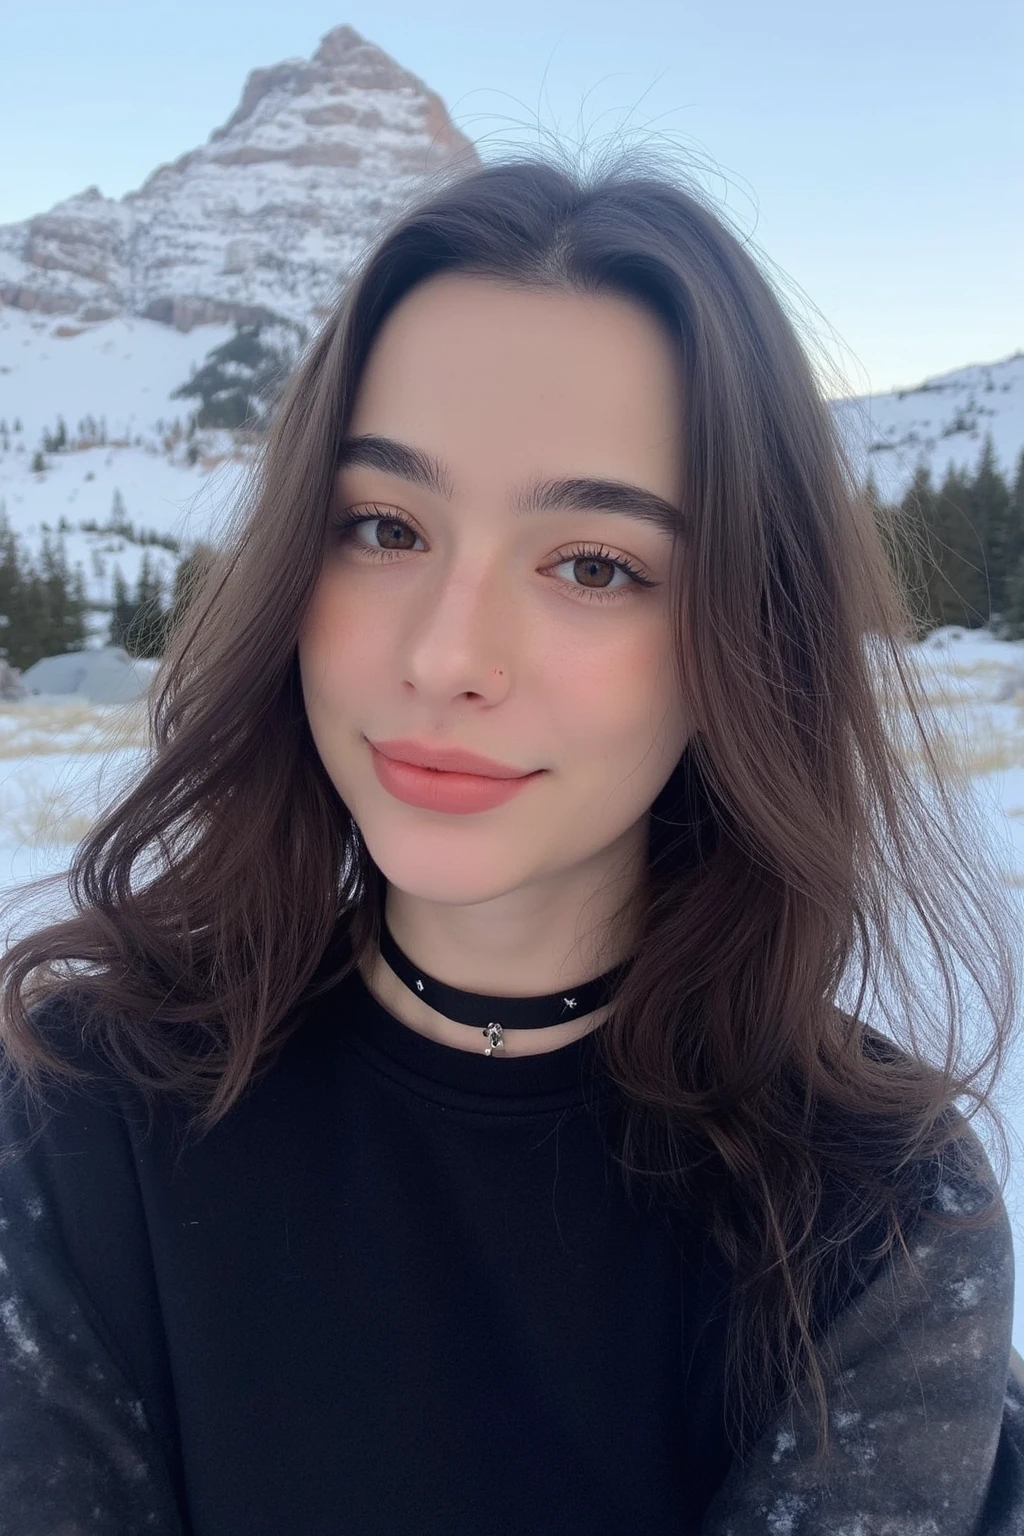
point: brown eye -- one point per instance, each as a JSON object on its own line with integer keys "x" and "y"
{"x": 345, "y": 525}
{"x": 393, "y": 531}
{"x": 588, "y": 564}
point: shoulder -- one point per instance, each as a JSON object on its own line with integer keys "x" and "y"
{"x": 69, "y": 1028}
{"x": 957, "y": 1181}
{"x": 947, "y": 1284}
{"x": 63, "y": 1146}
{"x": 84, "y": 1427}
{"x": 71, "y": 1209}
{"x": 918, "y": 1381}
{"x": 58, "y": 1023}
{"x": 958, "y": 1282}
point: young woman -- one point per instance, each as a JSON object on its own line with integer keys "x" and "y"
{"x": 438, "y": 1115}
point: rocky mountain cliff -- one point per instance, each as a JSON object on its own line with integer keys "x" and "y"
{"x": 264, "y": 220}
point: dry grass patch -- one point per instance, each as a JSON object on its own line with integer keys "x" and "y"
{"x": 982, "y": 666}
{"x": 995, "y": 755}
{"x": 968, "y": 756}
{"x": 49, "y": 818}
{"x": 30, "y": 729}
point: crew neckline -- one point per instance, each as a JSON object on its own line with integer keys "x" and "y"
{"x": 570, "y": 1072}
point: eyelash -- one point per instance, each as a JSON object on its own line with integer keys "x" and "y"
{"x": 345, "y": 522}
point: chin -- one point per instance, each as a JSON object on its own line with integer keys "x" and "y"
{"x": 441, "y": 876}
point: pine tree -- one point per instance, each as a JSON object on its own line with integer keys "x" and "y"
{"x": 119, "y": 514}
{"x": 900, "y": 526}
{"x": 1013, "y": 609}
{"x": 1015, "y": 519}
{"x": 987, "y": 506}
{"x": 38, "y": 463}
{"x": 54, "y": 441}
{"x": 62, "y": 609}
{"x": 957, "y": 584}
{"x": 871, "y": 491}
{"x": 241, "y": 380}
{"x": 188, "y": 578}
{"x": 146, "y": 636}
{"x": 12, "y": 607}
{"x": 79, "y": 605}
{"x": 910, "y": 522}
{"x": 123, "y": 612}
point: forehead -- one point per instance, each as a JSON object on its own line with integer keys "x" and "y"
{"x": 469, "y": 367}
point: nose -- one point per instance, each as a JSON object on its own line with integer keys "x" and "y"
{"x": 454, "y": 639}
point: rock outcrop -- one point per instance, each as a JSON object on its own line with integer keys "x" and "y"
{"x": 265, "y": 219}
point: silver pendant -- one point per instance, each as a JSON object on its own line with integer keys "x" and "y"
{"x": 493, "y": 1033}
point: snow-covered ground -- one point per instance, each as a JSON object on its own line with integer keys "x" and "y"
{"x": 120, "y": 369}
{"x": 942, "y": 421}
{"x": 61, "y": 762}
{"x": 121, "y": 374}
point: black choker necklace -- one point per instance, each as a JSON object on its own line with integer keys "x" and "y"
{"x": 515, "y": 1012}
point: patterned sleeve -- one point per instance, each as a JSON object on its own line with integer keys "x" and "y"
{"x": 77, "y": 1453}
{"x": 926, "y": 1411}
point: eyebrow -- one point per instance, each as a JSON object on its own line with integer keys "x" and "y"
{"x": 372, "y": 451}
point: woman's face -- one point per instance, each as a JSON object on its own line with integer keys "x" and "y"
{"x": 484, "y": 629}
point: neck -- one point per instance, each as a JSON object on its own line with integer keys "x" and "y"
{"x": 411, "y": 1010}
{"x": 506, "y": 938}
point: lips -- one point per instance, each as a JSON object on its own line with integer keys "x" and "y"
{"x": 455, "y": 794}
{"x": 448, "y": 759}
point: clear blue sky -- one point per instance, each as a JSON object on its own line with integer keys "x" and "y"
{"x": 874, "y": 152}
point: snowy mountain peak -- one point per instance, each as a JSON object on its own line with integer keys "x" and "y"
{"x": 941, "y": 422}
{"x": 344, "y": 55}
{"x": 261, "y": 222}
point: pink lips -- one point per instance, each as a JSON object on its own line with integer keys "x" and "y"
{"x": 449, "y": 759}
{"x": 445, "y": 790}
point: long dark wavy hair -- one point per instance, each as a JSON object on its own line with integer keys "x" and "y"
{"x": 809, "y": 819}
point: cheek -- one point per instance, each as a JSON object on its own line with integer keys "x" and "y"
{"x": 331, "y": 635}
{"x": 630, "y": 721}
{"x": 624, "y": 691}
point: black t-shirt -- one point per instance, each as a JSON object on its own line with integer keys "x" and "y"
{"x": 398, "y": 1288}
